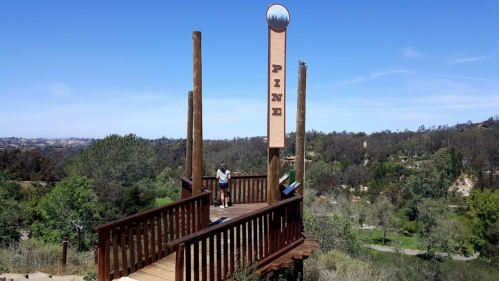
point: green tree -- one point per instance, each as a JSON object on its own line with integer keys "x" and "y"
{"x": 383, "y": 217}
{"x": 9, "y": 217}
{"x": 72, "y": 200}
{"x": 168, "y": 184}
{"x": 118, "y": 164}
{"x": 491, "y": 247}
{"x": 434, "y": 231}
{"x": 483, "y": 211}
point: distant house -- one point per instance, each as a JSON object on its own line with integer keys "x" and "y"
{"x": 290, "y": 161}
{"x": 480, "y": 124}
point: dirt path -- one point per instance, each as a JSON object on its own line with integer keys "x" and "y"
{"x": 40, "y": 276}
{"x": 417, "y": 252}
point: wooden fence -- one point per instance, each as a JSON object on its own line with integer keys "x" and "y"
{"x": 243, "y": 189}
{"x": 134, "y": 242}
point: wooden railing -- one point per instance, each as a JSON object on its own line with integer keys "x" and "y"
{"x": 243, "y": 189}
{"x": 131, "y": 243}
{"x": 255, "y": 238}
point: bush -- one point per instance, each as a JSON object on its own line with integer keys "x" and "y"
{"x": 337, "y": 266}
{"x": 90, "y": 275}
{"x": 33, "y": 255}
{"x": 411, "y": 227}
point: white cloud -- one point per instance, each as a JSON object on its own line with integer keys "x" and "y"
{"x": 411, "y": 52}
{"x": 374, "y": 76}
{"x": 468, "y": 59}
{"x": 59, "y": 90}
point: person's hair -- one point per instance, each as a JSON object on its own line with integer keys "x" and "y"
{"x": 223, "y": 167}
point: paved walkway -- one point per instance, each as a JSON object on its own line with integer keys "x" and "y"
{"x": 418, "y": 252}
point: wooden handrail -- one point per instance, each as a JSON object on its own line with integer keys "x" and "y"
{"x": 139, "y": 240}
{"x": 259, "y": 236}
{"x": 242, "y": 189}
{"x": 145, "y": 213}
{"x": 233, "y": 222}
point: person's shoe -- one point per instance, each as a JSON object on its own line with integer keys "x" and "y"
{"x": 226, "y": 206}
{"x": 221, "y": 206}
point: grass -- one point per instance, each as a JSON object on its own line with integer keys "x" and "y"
{"x": 401, "y": 267}
{"x": 163, "y": 201}
{"x": 32, "y": 255}
{"x": 404, "y": 241}
{"x": 408, "y": 241}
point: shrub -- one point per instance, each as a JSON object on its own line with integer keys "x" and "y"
{"x": 337, "y": 266}
{"x": 411, "y": 227}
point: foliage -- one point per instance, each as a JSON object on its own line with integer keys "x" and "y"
{"x": 334, "y": 265}
{"x": 483, "y": 212}
{"x": 491, "y": 247}
{"x": 435, "y": 230}
{"x": 27, "y": 165}
{"x": 33, "y": 255}
{"x": 168, "y": 185}
{"x": 245, "y": 271}
{"x": 384, "y": 218}
{"x": 9, "y": 217}
{"x": 123, "y": 170}
{"x": 91, "y": 275}
{"x": 324, "y": 177}
{"x": 338, "y": 231}
{"x": 432, "y": 180}
{"x": 72, "y": 200}
{"x": 402, "y": 267}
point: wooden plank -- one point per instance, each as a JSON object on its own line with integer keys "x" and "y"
{"x": 143, "y": 276}
{"x": 163, "y": 273}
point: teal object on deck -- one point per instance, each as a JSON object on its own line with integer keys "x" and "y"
{"x": 292, "y": 174}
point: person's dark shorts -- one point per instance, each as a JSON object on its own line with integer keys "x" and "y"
{"x": 223, "y": 185}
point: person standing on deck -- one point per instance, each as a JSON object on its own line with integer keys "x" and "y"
{"x": 223, "y": 176}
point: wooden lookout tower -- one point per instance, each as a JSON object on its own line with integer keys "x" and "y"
{"x": 192, "y": 240}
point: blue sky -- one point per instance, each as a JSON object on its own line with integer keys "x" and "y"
{"x": 94, "y": 68}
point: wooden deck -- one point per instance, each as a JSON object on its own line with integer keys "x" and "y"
{"x": 164, "y": 269}
{"x": 192, "y": 240}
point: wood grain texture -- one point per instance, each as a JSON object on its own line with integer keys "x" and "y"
{"x": 277, "y": 56}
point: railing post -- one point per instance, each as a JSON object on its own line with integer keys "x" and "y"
{"x": 103, "y": 243}
{"x": 179, "y": 265}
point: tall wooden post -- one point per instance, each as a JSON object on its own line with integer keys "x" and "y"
{"x": 188, "y": 149}
{"x": 277, "y": 20}
{"x": 300, "y": 126}
{"x": 197, "y": 161}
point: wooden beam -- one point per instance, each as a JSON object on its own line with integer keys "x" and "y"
{"x": 273, "y": 177}
{"x": 300, "y": 126}
{"x": 197, "y": 173}
{"x": 188, "y": 148}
